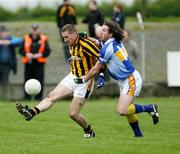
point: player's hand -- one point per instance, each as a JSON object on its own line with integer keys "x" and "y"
{"x": 100, "y": 81}
{"x": 37, "y": 55}
{"x": 4, "y": 42}
{"x": 78, "y": 80}
{"x": 29, "y": 55}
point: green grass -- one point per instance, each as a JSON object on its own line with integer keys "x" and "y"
{"x": 53, "y": 132}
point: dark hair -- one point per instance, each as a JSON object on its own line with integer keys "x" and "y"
{"x": 94, "y": 2}
{"x": 115, "y": 29}
{"x": 128, "y": 32}
{"x": 119, "y": 6}
{"x": 68, "y": 27}
{"x": 35, "y": 26}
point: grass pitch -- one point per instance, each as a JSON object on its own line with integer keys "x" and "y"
{"x": 53, "y": 132}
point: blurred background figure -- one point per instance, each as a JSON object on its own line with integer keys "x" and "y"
{"x": 118, "y": 15}
{"x": 93, "y": 18}
{"x": 131, "y": 46}
{"x": 8, "y": 59}
{"x": 66, "y": 14}
{"x": 34, "y": 49}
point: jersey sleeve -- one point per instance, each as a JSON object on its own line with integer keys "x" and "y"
{"x": 105, "y": 54}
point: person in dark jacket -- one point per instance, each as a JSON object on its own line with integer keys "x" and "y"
{"x": 66, "y": 14}
{"x": 8, "y": 44}
{"x": 34, "y": 49}
{"x": 94, "y": 18}
{"x": 118, "y": 15}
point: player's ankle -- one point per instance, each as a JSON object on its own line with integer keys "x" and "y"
{"x": 35, "y": 111}
{"x": 88, "y": 129}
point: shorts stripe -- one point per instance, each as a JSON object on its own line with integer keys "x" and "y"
{"x": 89, "y": 88}
{"x": 132, "y": 85}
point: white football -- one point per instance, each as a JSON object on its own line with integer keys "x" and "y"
{"x": 32, "y": 87}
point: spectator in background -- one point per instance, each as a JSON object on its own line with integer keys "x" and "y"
{"x": 34, "y": 49}
{"x": 93, "y": 18}
{"x": 118, "y": 15}
{"x": 131, "y": 46}
{"x": 8, "y": 61}
{"x": 66, "y": 14}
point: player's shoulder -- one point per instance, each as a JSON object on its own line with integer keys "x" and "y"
{"x": 106, "y": 49}
{"x": 117, "y": 45}
{"x": 86, "y": 41}
{"x": 109, "y": 46}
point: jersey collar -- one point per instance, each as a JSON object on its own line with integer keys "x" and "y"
{"x": 109, "y": 41}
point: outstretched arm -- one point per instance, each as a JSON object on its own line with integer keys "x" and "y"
{"x": 94, "y": 40}
{"x": 94, "y": 71}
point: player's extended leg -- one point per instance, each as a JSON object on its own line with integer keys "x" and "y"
{"x": 151, "y": 109}
{"x": 130, "y": 88}
{"x": 74, "y": 112}
{"x": 122, "y": 109}
{"x": 127, "y": 108}
{"x": 59, "y": 92}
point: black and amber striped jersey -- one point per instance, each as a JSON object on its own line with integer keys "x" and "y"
{"x": 66, "y": 14}
{"x": 84, "y": 55}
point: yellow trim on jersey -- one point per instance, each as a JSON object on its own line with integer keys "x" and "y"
{"x": 124, "y": 51}
{"x": 62, "y": 11}
{"x": 119, "y": 55}
{"x": 122, "y": 54}
{"x": 71, "y": 11}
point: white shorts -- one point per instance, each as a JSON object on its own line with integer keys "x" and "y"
{"x": 132, "y": 85}
{"x": 83, "y": 90}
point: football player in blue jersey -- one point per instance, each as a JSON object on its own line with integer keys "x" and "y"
{"x": 114, "y": 55}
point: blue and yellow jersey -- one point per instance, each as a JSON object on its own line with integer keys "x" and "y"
{"x": 84, "y": 55}
{"x": 114, "y": 55}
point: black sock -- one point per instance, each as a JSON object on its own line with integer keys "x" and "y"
{"x": 88, "y": 129}
{"x": 37, "y": 110}
{"x": 34, "y": 111}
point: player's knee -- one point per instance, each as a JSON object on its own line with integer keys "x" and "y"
{"x": 73, "y": 115}
{"x": 121, "y": 111}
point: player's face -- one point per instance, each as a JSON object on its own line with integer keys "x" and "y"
{"x": 98, "y": 32}
{"x": 35, "y": 32}
{"x": 105, "y": 33}
{"x": 69, "y": 38}
{"x": 3, "y": 35}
